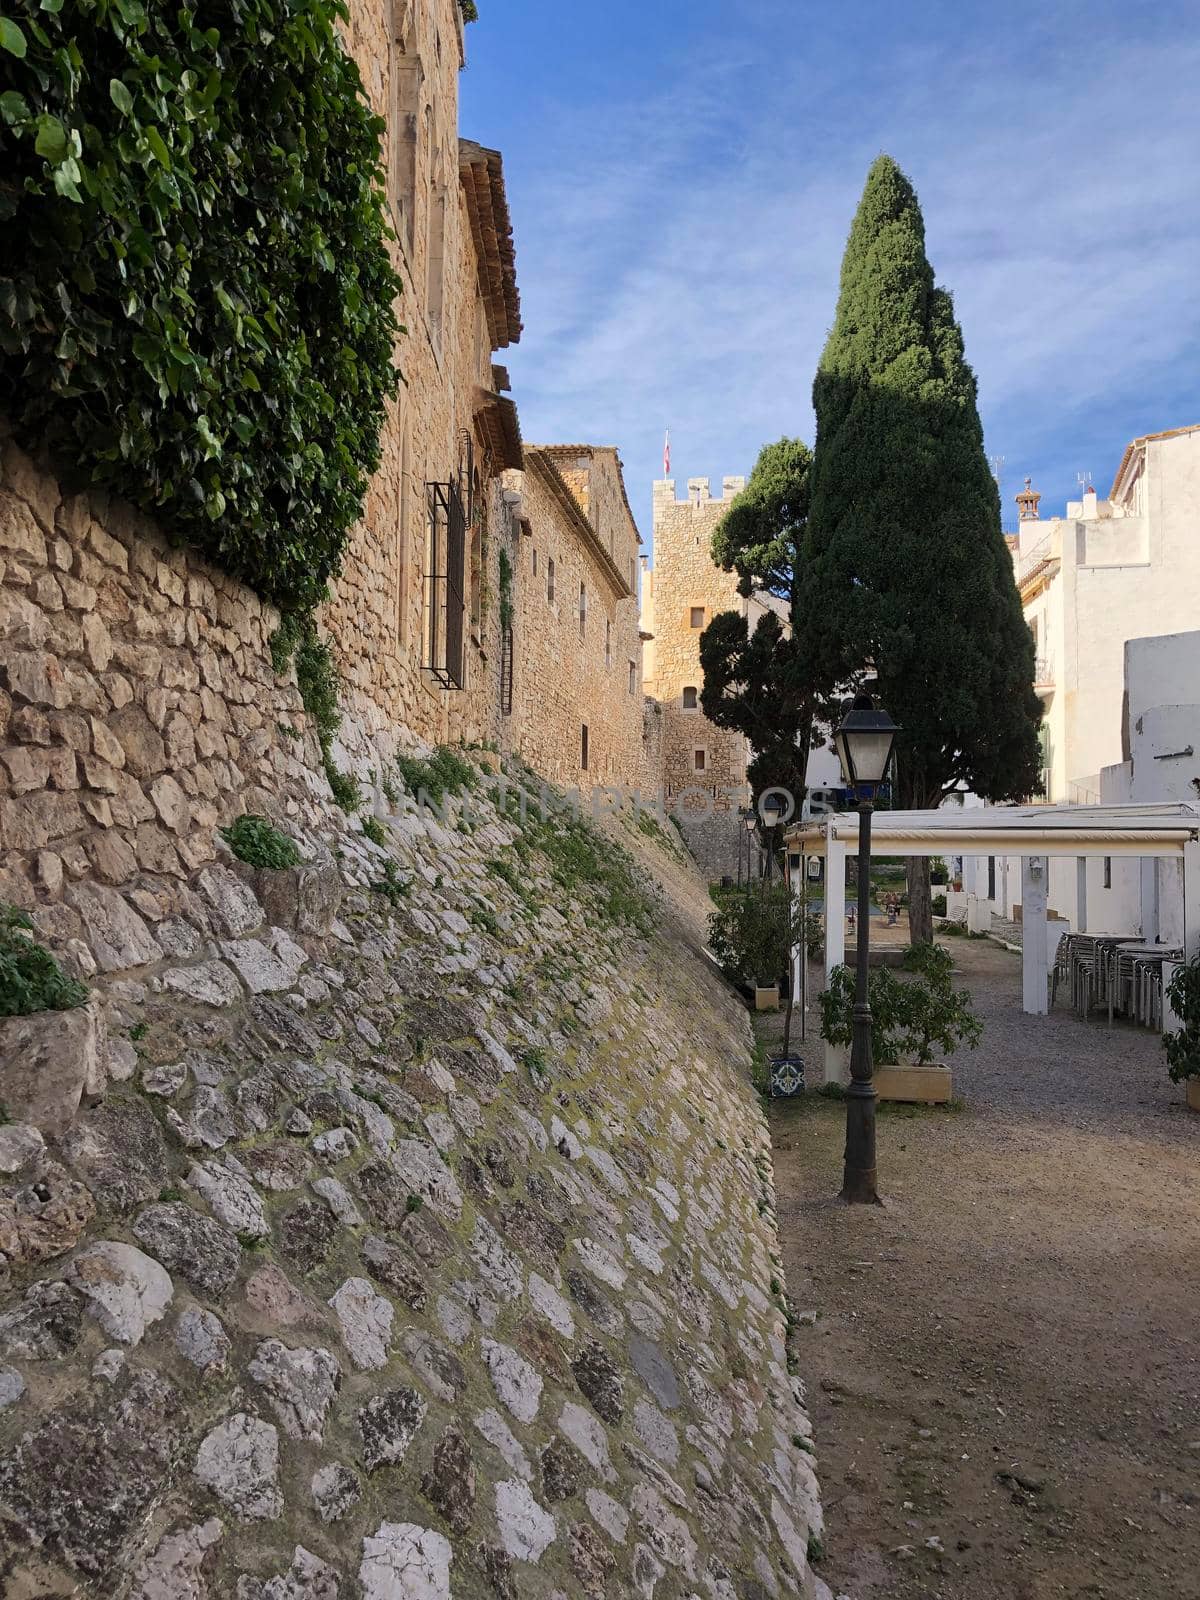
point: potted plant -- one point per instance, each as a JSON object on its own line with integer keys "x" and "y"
{"x": 753, "y": 934}
{"x": 1183, "y": 1046}
{"x": 910, "y": 1018}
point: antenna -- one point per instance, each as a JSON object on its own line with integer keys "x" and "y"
{"x": 1084, "y": 480}
{"x": 997, "y": 465}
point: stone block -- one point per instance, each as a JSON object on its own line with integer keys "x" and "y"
{"x": 117, "y": 936}
{"x": 47, "y": 1061}
{"x": 304, "y": 899}
{"x": 37, "y": 676}
{"x": 145, "y": 752}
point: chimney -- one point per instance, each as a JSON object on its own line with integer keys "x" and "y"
{"x": 1027, "y": 502}
{"x": 1091, "y": 506}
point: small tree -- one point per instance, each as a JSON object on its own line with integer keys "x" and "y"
{"x": 753, "y": 933}
{"x": 1183, "y": 1047}
{"x": 755, "y": 682}
{"x": 909, "y": 1016}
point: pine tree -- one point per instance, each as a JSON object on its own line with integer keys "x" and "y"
{"x": 907, "y": 574}
{"x": 754, "y": 682}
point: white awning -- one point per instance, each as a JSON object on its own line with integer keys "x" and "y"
{"x": 1129, "y": 830}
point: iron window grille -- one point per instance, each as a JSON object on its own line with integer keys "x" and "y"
{"x": 506, "y": 672}
{"x": 445, "y": 585}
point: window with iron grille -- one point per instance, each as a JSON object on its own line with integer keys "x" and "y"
{"x": 445, "y": 585}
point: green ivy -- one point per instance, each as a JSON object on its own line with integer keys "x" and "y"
{"x": 197, "y": 303}
{"x": 317, "y": 679}
{"x": 30, "y": 978}
{"x": 506, "y": 590}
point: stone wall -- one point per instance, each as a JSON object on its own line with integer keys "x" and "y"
{"x": 410, "y": 56}
{"x": 565, "y": 678}
{"x": 138, "y": 709}
{"x": 685, "y": 578}
{"x": 399, "y": 1250}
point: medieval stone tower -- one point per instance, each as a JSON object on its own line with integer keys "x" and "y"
{"x": 704, "y": 767}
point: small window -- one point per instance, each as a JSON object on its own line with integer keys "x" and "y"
{"x": 550, "y": 579}
{"x": 697, "y": 616}
{"x": 633, "y": 677}
{"x": 700, "y": 760}
{"x": 691, "y": 699}
{"x": 535, "y": 563}
{"x": 583, "y": 749}
{"x": 582, "y": 609}
{"x": 1108, "y": 872}
{"x": 608, "y": 646}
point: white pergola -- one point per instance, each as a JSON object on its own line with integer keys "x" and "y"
{"x": 1034, "y": 833}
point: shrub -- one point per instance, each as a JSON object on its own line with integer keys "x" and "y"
{"x": 30, "y": 978}
{"x": 938, "y": 905}
{"x": 445, "y": 773}
{"x": 373, "y": 829}
{"x": 197, "y": 302}
{"x": 392, "y": 886}
{"x": 908, "y": 1017}
{"x": 254, "y": 841}
{"x": 753, "y": 932}
{"x": 1183, "y": 1048}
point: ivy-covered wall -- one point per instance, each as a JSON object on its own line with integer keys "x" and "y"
{"x": 197, "y": 300}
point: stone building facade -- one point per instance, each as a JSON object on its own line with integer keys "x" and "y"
{"x": 393, "y": 621}
{"x": 703, "y": 767}
{"x": 575, "y": 711}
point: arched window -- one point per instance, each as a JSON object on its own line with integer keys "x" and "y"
{"x": 691, "y": 699}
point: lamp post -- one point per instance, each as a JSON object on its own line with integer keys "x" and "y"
{"x": 749, "y": 821}
{"x": 864, "y": 741}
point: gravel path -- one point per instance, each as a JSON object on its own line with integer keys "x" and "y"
{"x": 1004, "y": 1362}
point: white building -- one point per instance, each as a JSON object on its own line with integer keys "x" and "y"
{"x": 1110, "y": 571}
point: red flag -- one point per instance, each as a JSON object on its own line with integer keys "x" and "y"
{"x": 667, "y": 455}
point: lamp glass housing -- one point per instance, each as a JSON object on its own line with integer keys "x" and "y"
{"x": 864, "y": 740}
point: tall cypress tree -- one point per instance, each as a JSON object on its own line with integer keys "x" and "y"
{"x": 907, "y": 574}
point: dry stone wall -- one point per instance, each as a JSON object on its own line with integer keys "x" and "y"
{"x": 394, "y": 1226}
{"x": 138, "y": 709}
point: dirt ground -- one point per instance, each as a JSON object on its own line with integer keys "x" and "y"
{"x": 1003, "y": 1363}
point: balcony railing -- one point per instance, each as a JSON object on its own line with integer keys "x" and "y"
{"x": 1043, "y": 673}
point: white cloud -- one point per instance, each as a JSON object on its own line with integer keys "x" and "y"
{"x": 679, "y": 256}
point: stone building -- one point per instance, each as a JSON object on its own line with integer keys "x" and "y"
{"x": 703, "y": 767}
{"x": 413, "y": 621}
{"x": 571, "y": 692}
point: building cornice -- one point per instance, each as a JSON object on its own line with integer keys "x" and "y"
{"x": 559, "y": 450}
{"x": 482, "y": 175}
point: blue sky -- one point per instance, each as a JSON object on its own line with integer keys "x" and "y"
{"x": 683, "y": 173}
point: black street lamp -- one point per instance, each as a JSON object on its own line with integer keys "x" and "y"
{"x": 747, "y": 819}
{"x": 864, "y": 743}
